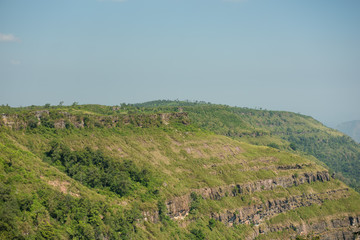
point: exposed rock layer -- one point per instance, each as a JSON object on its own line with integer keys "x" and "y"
{"x": 259, "y": 212}
{"x": 335, "y": 228}
{"x": 180, "y": 206}
{"x": 65, "y": 119}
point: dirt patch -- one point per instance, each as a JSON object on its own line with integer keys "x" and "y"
{"x": 232, "y": 150}
{"x": 116, "y": 150}
{"x": 160, "y": 158}
{"x": 266, "y": 159}
{"x": 63, "y": 187}
{"x": 176, "y": 143}
{"x": 195, "y": 152}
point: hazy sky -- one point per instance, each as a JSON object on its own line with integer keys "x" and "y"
{"x": 296, "y": 55}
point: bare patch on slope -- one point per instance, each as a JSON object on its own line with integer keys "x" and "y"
{"x": 62, "y": 186}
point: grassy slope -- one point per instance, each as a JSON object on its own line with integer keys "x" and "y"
{"x": 180, "y": 159}
{"x": 262, "y": 127}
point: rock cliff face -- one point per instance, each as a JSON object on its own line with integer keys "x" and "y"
{"x": 333, "y": 228}
{"x": 65, "y": 119}
{"x": 258, "y": 213}
{"x": 151, "y": 216}
{"x": 179, "y": 207}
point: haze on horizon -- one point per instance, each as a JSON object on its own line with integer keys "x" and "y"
{"x": 301, "y": 56}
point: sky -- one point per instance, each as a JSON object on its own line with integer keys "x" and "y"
{"x": 295, "y": 55}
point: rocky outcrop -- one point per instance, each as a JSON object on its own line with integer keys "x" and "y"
{"x": 11, "y": 121}
{"x": 62, "y": 120}
{"x": 151, "y": 216}
{"x": 180, "y": 206}
{"x": 334, "y": 228}
{"x": 288, "y": 167}
{"x": 41, "y": 113}
{"x": 257, "y": 213}
{"x": 261, "y": 185}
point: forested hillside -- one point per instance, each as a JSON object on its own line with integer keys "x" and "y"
{"x": 283, "y": 130}
{"x": 170, "y": 170}
{"x": 351, "y": 128}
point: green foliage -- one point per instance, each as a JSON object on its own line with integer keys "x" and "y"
{"x": 293, "y": 146}
{"x": 195, "y": 202}
{"x": 96, "y": 170}
{"x": 162, "y": 210}
{"x": 340, "y": 153}
{"x": 274, "y": 145}
{"x": 351, "y": 129}
{"x": 212, "y": 223}
{"x": 47, "y": 122}
{"x": 300, "y": 133}
{"x": 197, "y": 234}
{"x": 46, "y": 212}
{"x": 32, "y": 123}
{"x": 181, "y": 152}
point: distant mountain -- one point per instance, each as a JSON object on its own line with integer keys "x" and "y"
{"x": 351, "y": 128}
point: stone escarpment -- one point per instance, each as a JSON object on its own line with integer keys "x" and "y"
{"x": 332, "y": 228}
{"x": 256, "y": 214}
{"x": 179, "y": 207}
{"x": 151, "y": 216}
{"x": 60, "y": 120}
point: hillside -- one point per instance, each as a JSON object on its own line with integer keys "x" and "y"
{"x": 164, "y": 172}
{"x": 351, "y": 128}
{"x": 284, "y": 130}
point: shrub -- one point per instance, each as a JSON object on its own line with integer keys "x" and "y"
{"x": 197, "y": 234}
{"x": 293, "y": 146}
{"x": 195, "y": 202}
{"x": 94, "y": 169}
{"x": 212, "y": 223}
{"x": 273, "y": 145}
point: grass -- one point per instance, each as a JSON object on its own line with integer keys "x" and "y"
{"x": 185, "y": 161}
{"x": 232, "y": 203}
{"x": 339, "y": 207}
{"x": 180, "y": 158}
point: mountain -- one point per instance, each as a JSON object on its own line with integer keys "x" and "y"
{"x": 284, "y": 130}
{"x": 169, "y": 170}
{"x": 351, "y": 128}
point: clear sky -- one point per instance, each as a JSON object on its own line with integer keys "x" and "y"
{"x": 296, "y": 55}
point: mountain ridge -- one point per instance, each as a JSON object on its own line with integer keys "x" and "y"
{"x": 127, "y": 172}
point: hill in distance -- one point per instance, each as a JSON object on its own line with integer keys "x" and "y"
{"x": 351, "y": 128}
{"x": 174, "y": 170}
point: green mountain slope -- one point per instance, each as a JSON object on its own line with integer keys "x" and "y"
{"x": 98, "y": 172}
{"x": 351, "y": 128}
{"x": 283, "y": 130}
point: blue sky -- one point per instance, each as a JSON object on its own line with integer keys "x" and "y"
{"x": 302, "y": 56}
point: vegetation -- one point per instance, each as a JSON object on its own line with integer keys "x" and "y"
{"x": 111, "y": 172}
{"x": 32, "y": 209}
{"x": 95, "y": 170}
{"x": 284, "y": 130}
{"x": 351, "y": 128}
